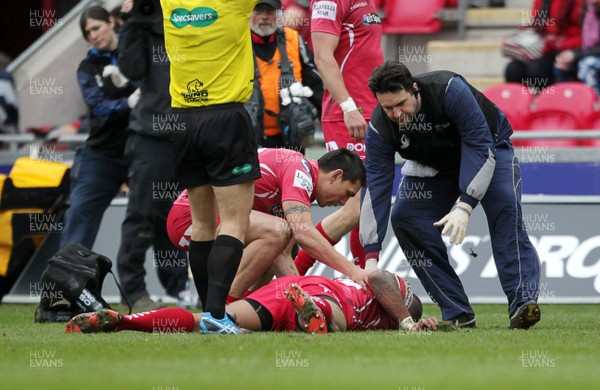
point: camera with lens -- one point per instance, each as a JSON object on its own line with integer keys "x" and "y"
{"x": 297, "y": 121}
{"x": 146, "y": 11}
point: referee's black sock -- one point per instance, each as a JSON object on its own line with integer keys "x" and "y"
{"x": 223, "y": 264}
{"x": 198, "y": 255}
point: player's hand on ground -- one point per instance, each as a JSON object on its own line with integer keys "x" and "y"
{"x": 456, "y": 222}
{"x": 356, "y": 124}
{"x": 425, "y": 325}
{"x": 360, "y": 276}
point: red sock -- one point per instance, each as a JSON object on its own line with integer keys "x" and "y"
{"x": 358, "y": 252}
{"x": 303, "y": 260}
{"x": 324, "y": 306}
{"x": 169, "y": 320}
{"x": 231, "y": 298}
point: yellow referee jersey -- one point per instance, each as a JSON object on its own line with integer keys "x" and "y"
{"x": 210, "y": 50}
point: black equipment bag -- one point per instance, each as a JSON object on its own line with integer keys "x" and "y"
{"x": 72, "y": 284}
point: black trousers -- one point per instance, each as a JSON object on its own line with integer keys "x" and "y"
{"x": 152, "y": 192}
{"x": 536, "y": 74}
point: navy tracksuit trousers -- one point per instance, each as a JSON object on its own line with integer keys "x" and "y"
{"x": 516, "y": 260}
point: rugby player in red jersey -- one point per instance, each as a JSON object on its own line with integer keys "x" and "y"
{"x": 288, "y": 185}
{"x": 313, "y": 304}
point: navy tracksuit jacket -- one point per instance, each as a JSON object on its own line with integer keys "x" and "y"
{"x": 465, "y": 137}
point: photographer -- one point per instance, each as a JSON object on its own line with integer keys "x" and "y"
{"x": 267, "y": 39}
{"x": 142, "y": 57}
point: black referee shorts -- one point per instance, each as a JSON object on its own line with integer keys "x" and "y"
{"x": 215, "y": 145}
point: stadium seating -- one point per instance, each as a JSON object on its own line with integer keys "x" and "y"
{"x": 405, "y": 17}
{"x": 515, "y": 101}
{"x": 563, "y": 106}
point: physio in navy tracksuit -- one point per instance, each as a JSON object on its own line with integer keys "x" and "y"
{"x": 99, "y": 168}
{"x": 456, "y": 143}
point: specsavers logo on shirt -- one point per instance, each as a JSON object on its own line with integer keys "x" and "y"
{"x": 198, "y": 17}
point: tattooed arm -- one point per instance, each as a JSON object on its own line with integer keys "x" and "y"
{"x": 308, "y": 237}
{"x": 387, "y": 292}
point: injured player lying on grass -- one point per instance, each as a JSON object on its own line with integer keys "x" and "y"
{"x": 314, "y": 304}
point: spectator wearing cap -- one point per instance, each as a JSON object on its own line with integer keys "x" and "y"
{"x": 265, "y": 31}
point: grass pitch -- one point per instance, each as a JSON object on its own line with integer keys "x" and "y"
{"x": 561, "y": 352}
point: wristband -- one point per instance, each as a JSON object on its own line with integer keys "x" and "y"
{"x": 348, "y": 106}
{"x": 407, "y": 324}
{"x": 463, "y": 206}
{"x": 371, "y": 264}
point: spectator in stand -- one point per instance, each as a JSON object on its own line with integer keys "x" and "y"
{"x": 583, "y": 64}
{"x": 99, "y": 168}
{"x": 558, "y": 22}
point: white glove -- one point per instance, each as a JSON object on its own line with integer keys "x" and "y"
{"x": 457, "y": 220}
{"x": 295, "y": 92}
{"x": 115, "y": 75}
{"x": 133, "y": 99}
{"x": 299, "y": 90}
{"x": 285, "y": 97}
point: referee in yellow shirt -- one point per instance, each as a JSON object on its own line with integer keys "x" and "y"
{"x": 209, "y": 47}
